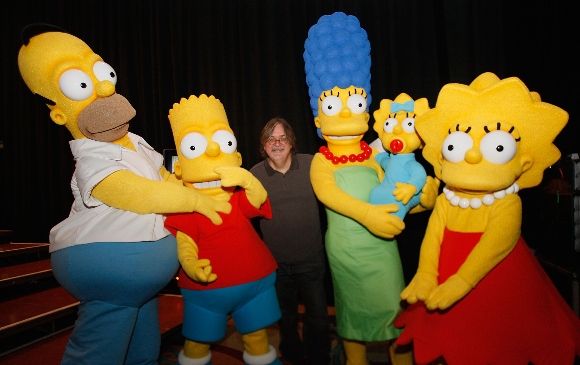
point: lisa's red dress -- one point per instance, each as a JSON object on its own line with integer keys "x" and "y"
{"x": 513, "y": 316}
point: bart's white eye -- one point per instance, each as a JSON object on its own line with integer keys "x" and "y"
{"x": 193, "y": 145}
{"x": 331, "y": 106}
{"x": 390, "y": 124}
{"x": 456, "y": 145}
{"x": 498, "y": 147}
{"x": 103, "y": 71}
{"x": 76, "y": 85}
{"x": 409, "y": 125}
{"x": 356, "y": 103}
{"x": 226, "y": 140}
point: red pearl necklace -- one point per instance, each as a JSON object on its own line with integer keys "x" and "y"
{"x": 364, "y": 155}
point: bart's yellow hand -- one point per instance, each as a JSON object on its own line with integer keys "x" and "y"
{"x": 237, "y": 176}
{"x": 379, "y": 220}
{"x": 196, "y": 269}
{"x": 404, "y": 192}
{"x": 199, "y": 270}
{"x": 420, "y": 287}
{"x": 429, "y": 193}
{"x": 448, "y": 293}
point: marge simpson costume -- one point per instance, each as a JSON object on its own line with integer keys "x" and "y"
{"x": 364, "y": 261}
{"x": 112, "y": 252}
{"x": 479, "y": 296}
{"x": 226, "y": 269}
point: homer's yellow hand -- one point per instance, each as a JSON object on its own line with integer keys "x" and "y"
{"x": 420, "y": 287}
{"x": 430, "y": 192}
{"x": 448, "y": 293}
{"x": 404, "y": 192}
{"x": 379, "y": 220}
{"x": 237, "y": 176}
{"x": 197, "y": 269}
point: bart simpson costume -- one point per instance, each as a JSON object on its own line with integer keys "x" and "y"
{"x": 112, "y": 253}
{"x": 364, "y": 261}
{"x": 404, "y": 176}
{"x": 226, "y": 269}
{"x": 479, "y": 295}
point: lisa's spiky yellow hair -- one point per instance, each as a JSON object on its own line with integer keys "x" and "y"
{"x": 488, "y": 100}
{"x": 201, "y": 111}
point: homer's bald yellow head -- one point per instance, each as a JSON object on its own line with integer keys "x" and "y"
{"x": 75, "y": 83}
{"x": 204, "y": 141}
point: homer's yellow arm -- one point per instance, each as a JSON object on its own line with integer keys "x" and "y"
{"x": 376, "y": 218}
{"x": 187, "y": 253}
{"x": 237, "y": 176}
{"x": 126, "y": 190}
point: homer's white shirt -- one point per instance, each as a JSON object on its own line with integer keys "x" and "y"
{"x": 91, "y": 220}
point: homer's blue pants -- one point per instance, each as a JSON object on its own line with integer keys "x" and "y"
{"x": 117, "y": 285}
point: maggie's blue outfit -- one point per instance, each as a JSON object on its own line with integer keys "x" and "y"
{"x": 398, "y": 168}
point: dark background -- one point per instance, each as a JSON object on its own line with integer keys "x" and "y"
{"x": 248, "y": 54}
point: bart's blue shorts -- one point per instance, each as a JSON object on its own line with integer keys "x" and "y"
{"x": 253, "y": 306}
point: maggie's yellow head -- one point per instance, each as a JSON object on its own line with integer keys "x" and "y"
{"x": 204, "y": 141}
{"x": 75, "y": 83}
{"x": 485, "y": 136}
{"x": 395, "y": 123}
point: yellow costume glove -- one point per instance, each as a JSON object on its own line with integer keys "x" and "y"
{"x": 448, "y": 293}
{"x": 420, "y": 287}
{"x": 404, "y": 192}
{"x": 197, "y": 269}
{"x": 128, "y": 191}
{"x": 237, "y": 176}
{"x": 428, "y": 195}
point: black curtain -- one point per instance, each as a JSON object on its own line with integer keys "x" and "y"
{"x": 248, "y": 54}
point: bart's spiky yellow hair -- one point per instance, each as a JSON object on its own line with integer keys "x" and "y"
{"x": 489, "y": 100}
{"x": 201, "y": 111}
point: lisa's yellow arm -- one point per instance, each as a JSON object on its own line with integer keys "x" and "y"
{"x": 376, "y": 218}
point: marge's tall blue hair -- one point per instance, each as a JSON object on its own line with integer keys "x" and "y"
{"x": 337, "y": 52}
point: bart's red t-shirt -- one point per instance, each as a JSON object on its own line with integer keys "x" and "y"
{"x": 236, "y": 252}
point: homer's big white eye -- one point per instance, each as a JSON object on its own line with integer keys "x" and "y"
{"x": 193, "y": 145}
{"x": 455, "y": 146}
{"x": 390, "y": 124}
{"x": 498, "y": 147}
{"x": 409, "y": 125}
{"x": 104, "y": 72}
{"x": 76, "y": 85}
{"x": 356, "y": 103}
{"x": 226, "y": 140}
{"x": 331, "y": 106}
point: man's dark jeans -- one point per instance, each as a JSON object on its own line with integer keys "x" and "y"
{"x": 303, "y": 282}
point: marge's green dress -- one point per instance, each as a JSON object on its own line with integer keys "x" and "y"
{"x": 366, "y": 270}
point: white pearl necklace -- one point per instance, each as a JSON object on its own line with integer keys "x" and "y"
{"x": 476, "y": 203}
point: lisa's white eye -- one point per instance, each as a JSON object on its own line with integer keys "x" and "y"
{"x": 193, "y": 145}
{"x": 76, "y": 85}
{"x": 331, "y": 106}
{"x": 105, "y": 72}
{"x": 498, "y": 147}
{"x": 226, "y": 140}
{"x": 356, "y": 103}
{"x": 456, "y": 145}
{"x": 409, "y": 125}
{"x": 390, "y": 124}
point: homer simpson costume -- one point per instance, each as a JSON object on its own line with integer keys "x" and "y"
{"x": 363, "y": 256}
{"x": 226, "y": 269}
{"x": 112, "y": 253}
{"x": 404, "y": 176}
{"x": 479, "y": 295}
